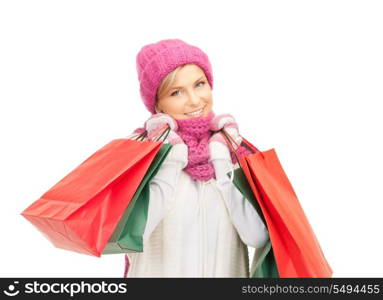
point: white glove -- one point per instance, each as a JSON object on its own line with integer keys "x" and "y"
{"x": 158, "y": 123}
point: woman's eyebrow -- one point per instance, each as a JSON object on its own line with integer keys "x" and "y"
{"x": 177, "y": 87}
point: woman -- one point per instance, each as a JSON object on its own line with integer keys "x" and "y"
{"x": 199, "y": 224}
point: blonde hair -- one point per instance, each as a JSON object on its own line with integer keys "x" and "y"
{"x": 166, "y": 83}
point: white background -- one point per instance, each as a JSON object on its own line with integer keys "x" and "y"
{"x": 303, "y": 77}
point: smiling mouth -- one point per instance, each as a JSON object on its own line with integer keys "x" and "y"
{"x": 196, "y": 112}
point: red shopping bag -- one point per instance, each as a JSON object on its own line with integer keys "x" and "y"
{"x": 296, "y": 248}
{"x": 81, "y": 211}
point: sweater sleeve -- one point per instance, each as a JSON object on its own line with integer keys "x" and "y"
{"x": 244, "y": 216}
{"x": 163, "y": 185}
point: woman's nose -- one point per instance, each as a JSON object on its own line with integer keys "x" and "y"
{"x": 194, "y": 99}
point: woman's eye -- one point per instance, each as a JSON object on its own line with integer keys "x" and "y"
{"x": 203, "y": 82}
{"x": 174, "y": 93}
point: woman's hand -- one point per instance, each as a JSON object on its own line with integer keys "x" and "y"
{"x": 227, "y": 122}
{"x": 158, "y": 123}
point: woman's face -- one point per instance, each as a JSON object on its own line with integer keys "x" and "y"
{"x": 189, "y": 96}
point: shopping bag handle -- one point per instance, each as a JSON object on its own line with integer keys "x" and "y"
{"x": 230, "y": 141}
{"x": 144, "y": 135}
{"x": 166, "y": 132}
{"x": 141, "y": 136}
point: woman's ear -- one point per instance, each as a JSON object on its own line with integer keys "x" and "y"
{"x": 157, "y": 109}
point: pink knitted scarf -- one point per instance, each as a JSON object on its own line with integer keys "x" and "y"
{"x": 196, "y": 133}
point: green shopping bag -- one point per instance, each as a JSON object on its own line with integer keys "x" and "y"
{"x": 264, "y": 264}
{"x": 127, "y": 237}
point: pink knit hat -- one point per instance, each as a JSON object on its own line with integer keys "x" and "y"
{"x": 155, "y": 61}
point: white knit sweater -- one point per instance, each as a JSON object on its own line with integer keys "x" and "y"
{"x": 197, "y": 228}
